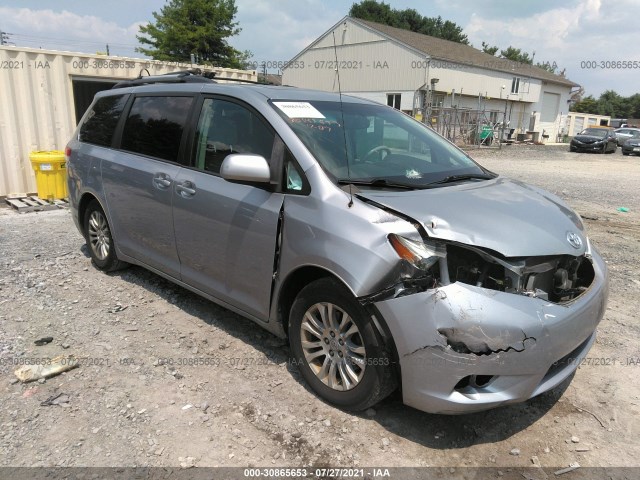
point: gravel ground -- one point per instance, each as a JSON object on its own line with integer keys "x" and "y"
{"x": 169, "y": 379}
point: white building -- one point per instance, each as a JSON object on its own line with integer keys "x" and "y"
{"x": 398, "y": 68}
{"x": 576, "y": 122}
{"x": 44, "y": 93}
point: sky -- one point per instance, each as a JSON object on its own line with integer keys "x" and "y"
{"x": 569, "y": 32}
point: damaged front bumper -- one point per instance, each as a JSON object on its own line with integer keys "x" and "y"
{"x": 464, "y": 348}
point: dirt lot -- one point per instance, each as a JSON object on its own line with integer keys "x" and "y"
{"x": 169, "y": 379}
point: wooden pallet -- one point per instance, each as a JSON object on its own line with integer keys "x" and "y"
{"x": 32, "y": 203}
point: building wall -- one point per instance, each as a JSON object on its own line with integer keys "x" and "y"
{"x": 406, "y": 97}
{"x": 37, "y": 103}
{"x": 369, "y": 62}
{"x": 576, "y": 122}
{"x": 372, "y": 66}
{"x": 554, "y": 125}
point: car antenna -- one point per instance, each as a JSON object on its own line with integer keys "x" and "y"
{"x": 344, "y": 127}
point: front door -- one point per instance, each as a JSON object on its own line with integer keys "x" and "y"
{"x": 226, "y": 232}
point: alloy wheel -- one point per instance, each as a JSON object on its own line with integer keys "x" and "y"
{"x": 99, "y": 235}
{"x": 333, "y": 346}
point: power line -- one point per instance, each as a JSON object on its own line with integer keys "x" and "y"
{"x": 4, "y": 37}
{"x": 34, "y": 38}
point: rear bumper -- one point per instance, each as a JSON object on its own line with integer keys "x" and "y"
{"x": 535, "y": 344}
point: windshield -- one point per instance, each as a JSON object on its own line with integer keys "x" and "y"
{"x": 383, "y": 146}
{"x": 594, "y": 132}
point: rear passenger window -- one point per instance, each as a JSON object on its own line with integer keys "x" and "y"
{"x": 225, "y": 128}
{"x": 154, "y": 126}
{"x": 101, "y": 121}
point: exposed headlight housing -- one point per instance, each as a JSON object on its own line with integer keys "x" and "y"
{"x": 421, "y": 255}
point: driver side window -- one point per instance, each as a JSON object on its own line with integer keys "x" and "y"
{"x": 226, "y": 127}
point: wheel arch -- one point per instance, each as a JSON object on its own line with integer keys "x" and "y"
{"x": 84, "y": 202}
{"x": 294, "y": 283}
{"x": 303, "y": 276}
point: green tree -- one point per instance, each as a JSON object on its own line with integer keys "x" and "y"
{"x": 408, "y": 19}
{"x": 517, "y": 55}
{"x": 611, "y": 103}
{"x": 549, "y": 67}
{"x": 375, "y": 12}
{"x": 198, "y": 27}
{"x": 491, "y": 50}
{"x": 587, "y": 105}
{"x": 634, "y": 102}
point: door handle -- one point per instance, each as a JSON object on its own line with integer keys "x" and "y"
{"x": 162, "y": 180}
{"x": 186, "y": 189}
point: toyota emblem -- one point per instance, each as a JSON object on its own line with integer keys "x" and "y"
{"x": 574, "y": 239}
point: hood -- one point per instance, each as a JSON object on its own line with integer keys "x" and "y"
{"x": 507, "y": 216}
{"x": 588, "y": 138}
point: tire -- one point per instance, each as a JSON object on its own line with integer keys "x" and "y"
{"x": 361, "y": 374}
{"x": 100, "y": 243}
{"x": 625, "y": 154}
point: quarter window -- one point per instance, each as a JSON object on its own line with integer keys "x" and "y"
{"x": 224, "y": 128}
{"x": 154, "y": 126}
{"x": 101, "y": 121}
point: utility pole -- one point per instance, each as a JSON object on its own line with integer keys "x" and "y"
{"x": 107, "y": 49}
{"x": 4, "y": 37}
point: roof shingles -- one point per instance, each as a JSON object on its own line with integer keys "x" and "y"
{"x": 440, "y": 49}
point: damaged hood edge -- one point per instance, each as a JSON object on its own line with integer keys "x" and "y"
{"x": 503, "y": 215}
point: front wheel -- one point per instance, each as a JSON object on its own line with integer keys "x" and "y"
{"x": 336, "y": 347}
{"x": 99, "y": 239}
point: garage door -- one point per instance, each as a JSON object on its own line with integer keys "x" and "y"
{"x": 84, "y": 90}
{"x": 550, "y": 104}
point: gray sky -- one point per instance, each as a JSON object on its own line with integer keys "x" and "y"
{"x": 566, "y": 32}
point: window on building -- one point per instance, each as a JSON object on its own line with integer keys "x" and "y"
{"x": 225, "y": 128}
{"x": 515, "y": 85}
{"x": 438, "y": 100}
{"x": 101, "y": 121}
{"x": 154, "y": 126}
{"x": 393, "y": 100}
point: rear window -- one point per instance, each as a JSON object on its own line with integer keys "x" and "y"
{"x": 154, "y": 126}
{"x": 101, "y": 121}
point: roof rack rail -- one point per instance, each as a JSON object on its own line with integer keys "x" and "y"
{"x": 183, "y": 76}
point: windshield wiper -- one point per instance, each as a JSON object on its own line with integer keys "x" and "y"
{"x": 466, "y": 176}
{"x": 376, "y": 182}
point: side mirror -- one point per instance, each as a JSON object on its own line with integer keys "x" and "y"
{"x": 245, "y": 168}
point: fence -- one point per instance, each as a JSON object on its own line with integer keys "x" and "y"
{"x": 469, "y": 128}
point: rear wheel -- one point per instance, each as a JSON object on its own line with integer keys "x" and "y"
{"x": 336, "y": 347}
{"x": 99, "y": 239}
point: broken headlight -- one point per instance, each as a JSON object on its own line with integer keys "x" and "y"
{"x": 421, "y": 255}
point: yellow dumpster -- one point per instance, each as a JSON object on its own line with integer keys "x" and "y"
{"x": 51, "y": 173}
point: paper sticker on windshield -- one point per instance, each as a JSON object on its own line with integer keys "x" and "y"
{"x": 298, "y": 109}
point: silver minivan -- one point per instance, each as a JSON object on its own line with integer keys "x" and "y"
{"x": 386, "y": 255}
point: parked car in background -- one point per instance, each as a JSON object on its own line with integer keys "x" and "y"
{"x": 383, "y": 253}
{"x": 632, "y": 145}
{"x": 624, "y": 134}
{"x": 595, "y": 139}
